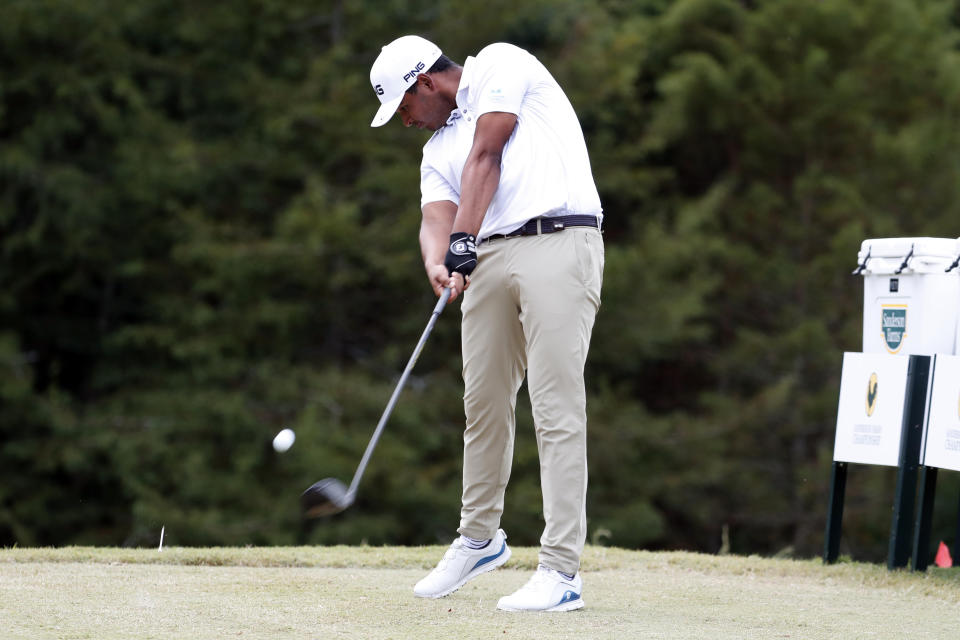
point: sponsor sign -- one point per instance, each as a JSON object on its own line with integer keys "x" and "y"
{"x": 942, "y": 444}
{"x": 893, "y": 324}
{"x": 870, "y": 415}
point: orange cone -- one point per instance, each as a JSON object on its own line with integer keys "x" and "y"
{"x": 943, "y": 558}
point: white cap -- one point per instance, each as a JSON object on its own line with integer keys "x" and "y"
{"x": 396, "y": 69}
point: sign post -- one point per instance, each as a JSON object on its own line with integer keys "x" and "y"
{"x": 838, "y": 488}
{"x": 876, "y": 425}
{"x": 941, "y": 448}
{"x": 915, "y": 405}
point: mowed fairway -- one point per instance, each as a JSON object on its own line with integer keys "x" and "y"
{"x": 365, "y": 592}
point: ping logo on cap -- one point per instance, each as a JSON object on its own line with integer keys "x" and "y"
{"x": 414, "y": 72}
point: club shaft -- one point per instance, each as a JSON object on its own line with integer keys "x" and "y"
{"x": 441, "y": 303}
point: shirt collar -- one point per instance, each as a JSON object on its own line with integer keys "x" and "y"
{"x": 465, "y": 77}
{"x": 454, "y": 115}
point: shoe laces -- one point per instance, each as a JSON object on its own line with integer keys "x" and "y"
{"x": 450, "y": 554}
{"x": 543, "y": 575}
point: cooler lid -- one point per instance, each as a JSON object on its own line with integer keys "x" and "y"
{"x": 896, "y": 255}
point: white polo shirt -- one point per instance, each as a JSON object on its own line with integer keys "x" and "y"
{"x": 545, "y": 169}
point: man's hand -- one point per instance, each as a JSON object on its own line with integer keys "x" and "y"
{"x": 441, "y": 278}
{"x": 435, "y": 230}
{"x": 460, "y": 262}
{"x": 462, "y": 253}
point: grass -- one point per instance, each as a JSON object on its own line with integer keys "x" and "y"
{"x": 365, "y": 592}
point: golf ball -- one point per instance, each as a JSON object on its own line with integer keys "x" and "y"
{"x": 283, "y": 440}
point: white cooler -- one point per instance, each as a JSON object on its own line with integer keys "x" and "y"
{"x": 911, "y": 303}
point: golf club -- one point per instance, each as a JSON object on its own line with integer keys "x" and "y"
{"x": 330, "y": 496}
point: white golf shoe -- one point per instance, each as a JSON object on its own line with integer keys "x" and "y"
{"x": 460, "y": 564}
{"x": 547, "y": 590}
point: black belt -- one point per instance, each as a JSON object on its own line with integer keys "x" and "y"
{"x": 538, "y": 226}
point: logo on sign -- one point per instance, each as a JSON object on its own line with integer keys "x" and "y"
{"x": 893, "y": 324}
{"x": 872, "y": 394}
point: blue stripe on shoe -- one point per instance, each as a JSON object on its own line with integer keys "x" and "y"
{"x": 483, "y": 561}
{"x": 569, "y": 596}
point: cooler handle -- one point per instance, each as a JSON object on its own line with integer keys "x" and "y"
{"x": 863, "y": 265}
{"x": 953, "y": 266}
{"x": 905, "y": 261}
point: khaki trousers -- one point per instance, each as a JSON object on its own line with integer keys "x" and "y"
{"x": 530, "y": 309}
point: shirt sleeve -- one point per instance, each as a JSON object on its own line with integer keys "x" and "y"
{"x": 501, "y": 82}
{"x": 434, "y": 187}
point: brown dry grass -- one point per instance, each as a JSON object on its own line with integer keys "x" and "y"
{"x": 365, "y": 592}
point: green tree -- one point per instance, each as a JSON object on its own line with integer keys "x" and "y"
{"x": 775, "y": 138}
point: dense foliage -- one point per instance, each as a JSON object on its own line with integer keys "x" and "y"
{"x": 202, "y": 241}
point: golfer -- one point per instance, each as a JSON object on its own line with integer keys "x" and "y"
{"x": 511, "y": 221}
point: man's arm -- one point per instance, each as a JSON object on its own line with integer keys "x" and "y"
{"x": 481, "y": 173}
{"x": 435, "y": 228}
{"x": 478, "y": 184}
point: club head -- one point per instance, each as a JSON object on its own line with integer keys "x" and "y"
{"x": 325, "y": 498}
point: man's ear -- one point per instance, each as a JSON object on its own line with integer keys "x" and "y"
{"x": 426, "y": 82}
